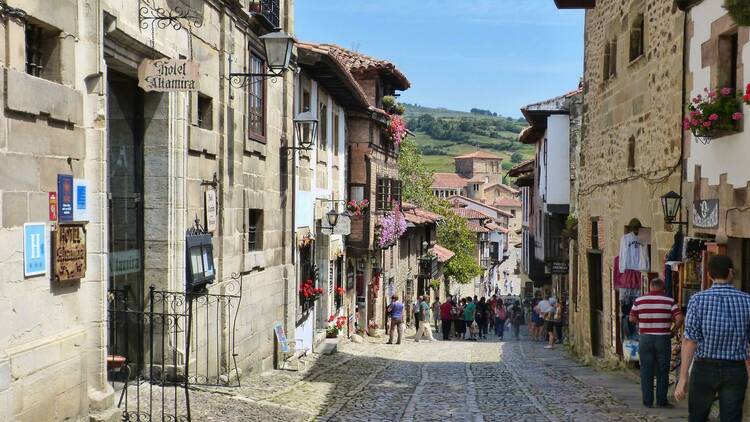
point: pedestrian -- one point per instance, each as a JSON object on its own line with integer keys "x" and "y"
{"x": 469, "y": 311}
{"x": 717, "y": 333}
{"x": 492, "y": 305}
{"x": 516, "y": 319}
{"x": 436, "y": 312}
{"x": 655, "y": 312}
{"x": 458, "y": 315}
{"x": 559, "y": 313}
{"x": 549, "y": 322}
{"x": 425, "y": 328}
{"x": 482, "y": 315}
{"x": 416, "y": 312}
{"x": 500, "y": 316}
{"x": 446, "y": 317}
{"x": 396, "y": 310}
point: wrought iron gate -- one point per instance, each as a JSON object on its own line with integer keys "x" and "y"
{"x": 177, "y": 340}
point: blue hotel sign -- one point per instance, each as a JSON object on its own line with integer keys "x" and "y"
{"x": 34, "y": 249}
{"x": 65, "y": 198}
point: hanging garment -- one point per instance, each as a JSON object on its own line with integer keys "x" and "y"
{"x": 633, "y": 254}
{"x": 628, "y": 279}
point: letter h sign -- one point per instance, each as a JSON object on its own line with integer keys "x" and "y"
{"x": 34, "y": 249}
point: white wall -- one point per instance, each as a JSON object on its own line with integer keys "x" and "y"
{"x": 728, "y": 154}
{"x": 557, "y": 169}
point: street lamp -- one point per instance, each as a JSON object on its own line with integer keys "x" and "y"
{"x": 333, "y": 217}
{"x": 278, "y": 46}
{"x": 305, "y": 130}
{"x": 671, "y": 204}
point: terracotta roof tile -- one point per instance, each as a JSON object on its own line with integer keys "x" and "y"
{"x": 358, "y": 62}
{"x": 480, "y": 154}
{"x": 476, "y": 228}
{"x": 471, "y": 214}
{"x": 522, "y": 167}
{"x": 503, "y": 186}
{"x": 458, "y": 200}
{"x": 443, "y": 254}
{"x": 507, "y": 202}
{"x": 449, "y": 180}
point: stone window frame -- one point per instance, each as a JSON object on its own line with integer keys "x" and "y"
{"x": 609, "y": 69}
{"x": 711, "y": 54}
{"x": 322, "y": 127}
{"x": 257, "y": 64}
{"x": 631, "y": 154}
{"x": 254, "y": 229}
{"x": 637, "y": 38}
{"x": 204, "y": 108}
{"x": 42, "y": 50}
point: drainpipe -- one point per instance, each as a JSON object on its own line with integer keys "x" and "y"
{"x": 685, "y": 65}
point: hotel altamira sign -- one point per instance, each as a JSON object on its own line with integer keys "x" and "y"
{"x": 168, "y": 75}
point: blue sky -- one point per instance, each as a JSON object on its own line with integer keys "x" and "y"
{"x": 459, "y": 54}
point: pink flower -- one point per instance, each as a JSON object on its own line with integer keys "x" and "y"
{"x": 695, "y": 113}
{"x": 706, "y": 124}
{"x": 714, "y": 117}
{"x": 726, "y": 91}
{"x": 737, "y": 116}
{"x": 686, "y": 124}
{"x": 712, "y": 94}
{"x": 694, "y": 122}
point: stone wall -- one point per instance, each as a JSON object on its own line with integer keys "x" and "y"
{"x": 643, "y": 101}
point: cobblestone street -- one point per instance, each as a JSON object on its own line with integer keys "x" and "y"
{"x": 456, "y": 380}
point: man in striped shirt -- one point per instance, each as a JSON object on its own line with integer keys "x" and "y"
{"x": 655, "y": 314}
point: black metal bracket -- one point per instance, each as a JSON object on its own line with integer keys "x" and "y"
{"x": 14, "y": 13}
{"x": 676, "y": 223}
{"x": 241, "y": 80}
{"x": 151, "y": 15}
{"x": 213, "y": 182}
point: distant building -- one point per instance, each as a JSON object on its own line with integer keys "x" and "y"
{"x": 475, "y": 174}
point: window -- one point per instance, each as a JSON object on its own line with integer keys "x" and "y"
{"x": 255, "y": 230}
{"x": 513, "y": 213}
{"x": 594, "y": 234}
{"x": 610, "y": 59}
{"x": 637, "y": 38}
{"x": 205, "y": 112}
{"x": 323, "y": 127}
{"x": 336, "y": 134}
{"x": 42, "y": 52}
{"x": 256, "y": 98}
{"x": 476, "y": 187}
{"x": 728, "y": 61}
{"x": 631, "y": 153}
{"x": 387, "y": 192}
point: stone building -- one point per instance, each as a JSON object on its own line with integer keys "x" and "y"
{"x": 372, "y": 175}
{"x": 478, "y": 176}
{"x": 548, "y": 199}
{"x": 629, "y": 155}
{"x": 326, "y": 88}
{"x": 146, "y": 164}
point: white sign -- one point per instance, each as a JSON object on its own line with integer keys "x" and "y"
{"x": 343, "y": 226}
{"x": 168, "y": 75}
{"x": 211, "y": 214}
{"x": 125, "y": 262}
{"x": 80, "y": 200}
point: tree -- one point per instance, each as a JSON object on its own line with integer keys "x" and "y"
{"x": 516, "y": 157}
{"x": 453, "y": 232}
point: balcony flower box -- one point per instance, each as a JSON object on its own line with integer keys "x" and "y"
{"x": 714, "y": 114}
{"x": 392, "y": 227}
{"x": 358, "y": 208}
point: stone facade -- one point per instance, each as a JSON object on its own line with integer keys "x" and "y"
{"x": 629, "y": 153}
{"x": 80, "y": 122}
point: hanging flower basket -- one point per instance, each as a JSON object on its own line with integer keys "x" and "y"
{"x": 392, "y": 227}
{"x": 714, "y": 114}
{"x": 340, "y": 291}
{"x": 358, "y": 208}
{"x": 739, "y": 10}
{"x": 396, "y": 129}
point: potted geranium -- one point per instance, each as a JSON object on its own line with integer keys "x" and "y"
{"x": 714, "y": 114}
{"x": 396, "y": 129}
{"x": 358, "y": 208}
{"x": 335, "y": 325}
{"x": 308, "y": 294}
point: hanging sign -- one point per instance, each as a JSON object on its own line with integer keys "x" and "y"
{"x": 559, "y": 268}
{"x": 34, "y": 249}
{"x": 53, "y": 206}
{"x": 80, "y": 200}
{"x": 70, "y": 252}
{"x": 64, "y": 197}
{"x": 168, "y": 75}
{"x": 211, "y": 207}
{"x": 706, "y": 214}
{"x": 125, "y": 262}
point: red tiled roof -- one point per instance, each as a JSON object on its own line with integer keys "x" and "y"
{"x": 471, "y": 214}
{"x": 457, "y": 199}
{"x": 520, "y": 168}
{"x": 503, "y": 186}
{"x": 496, "y": 227}
{"x": 358, "y": 63}
{"x": 443, "y": 254}
{"x": 347, "y": 79}
{"x": 419, "y": 216}
{"x": 476, "y": 228}
{"x": 449, "y": 180}
{"x": 480, "y": 154}
{"x": 507, "y": 202}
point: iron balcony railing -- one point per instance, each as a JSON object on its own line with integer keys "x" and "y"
{"x": 428, "y": 266}
{"x": 270, "y": 10}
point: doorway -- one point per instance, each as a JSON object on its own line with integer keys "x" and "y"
{"x": 125, "y": 134}
{"x": 596, "y": 297}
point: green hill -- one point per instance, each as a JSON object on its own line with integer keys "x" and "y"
{"x": 442, "y": 134}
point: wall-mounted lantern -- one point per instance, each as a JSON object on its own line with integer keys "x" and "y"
{"x": 333, "y": 217}
{"x": 200, "y": 259}
{"x": 671, "y": 204}
{"x": 278, "y": 46}
{"x": 305, "y": 130}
